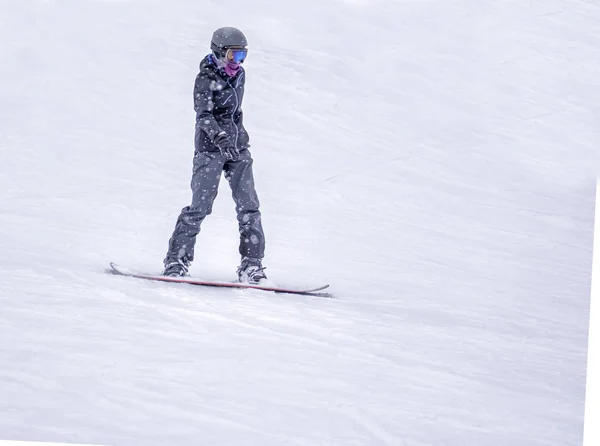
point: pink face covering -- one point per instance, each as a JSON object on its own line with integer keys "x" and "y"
{"x": 231, "y": 68}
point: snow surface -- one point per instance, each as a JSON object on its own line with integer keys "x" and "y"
{"x": 434, "y": 160}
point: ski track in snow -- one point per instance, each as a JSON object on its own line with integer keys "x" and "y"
{"x": 434, "y": 161}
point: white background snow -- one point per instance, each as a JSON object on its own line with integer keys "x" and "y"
{"x": 433, "y": 160}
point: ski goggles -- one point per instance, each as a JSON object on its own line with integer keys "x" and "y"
{"x": 236, "y": 55}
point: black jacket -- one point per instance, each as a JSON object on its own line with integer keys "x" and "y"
{"x": 218, "y": 105}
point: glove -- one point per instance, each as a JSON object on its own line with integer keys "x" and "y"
{"x": 225, "y": 146}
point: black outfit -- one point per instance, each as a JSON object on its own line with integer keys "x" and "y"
{"x": 217, "y": 101}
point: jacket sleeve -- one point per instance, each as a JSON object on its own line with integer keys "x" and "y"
{"x": 239, "y": 115}
{"x": 203, "y": 104}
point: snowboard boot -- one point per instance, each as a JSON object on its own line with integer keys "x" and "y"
{"x": 251, "y": 271}
{"x": 176, "y": 268}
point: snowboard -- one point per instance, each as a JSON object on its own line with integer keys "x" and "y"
{"x": 124, "y": 271}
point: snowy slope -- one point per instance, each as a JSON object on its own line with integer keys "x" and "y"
{"x": 434, "y": 161}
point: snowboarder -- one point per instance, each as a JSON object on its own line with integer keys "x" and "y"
{"x": 221, "y": 145}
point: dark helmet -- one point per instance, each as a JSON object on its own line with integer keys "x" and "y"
{"x": 226, "y": 37}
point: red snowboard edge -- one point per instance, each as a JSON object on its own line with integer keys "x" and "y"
{"x": 117, "y": 269}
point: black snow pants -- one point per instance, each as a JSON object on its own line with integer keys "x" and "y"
{"x": 206, "y": 176}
